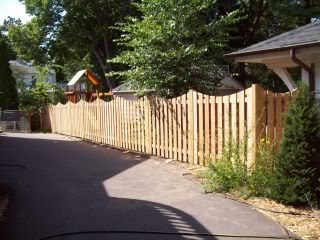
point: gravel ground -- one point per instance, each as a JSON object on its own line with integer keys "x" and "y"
{"x": 304, "y": 222}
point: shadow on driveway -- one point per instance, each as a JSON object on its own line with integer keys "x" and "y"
{"x": 62, "y": 192}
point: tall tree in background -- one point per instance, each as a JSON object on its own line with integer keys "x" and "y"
{"x": 291, "y": 13}
{"x": 29, "y": 42}
{"x": 8, "y": 91}
{"x": 176, "y": 46}
{"x": 70, "y": 33}
{"x": 79, "y": 34}
{"x": 163, "y": 47}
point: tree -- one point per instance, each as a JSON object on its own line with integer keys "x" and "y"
{"x": 81, "y": 32}
{"x": 40, "y": 94}
{"x": 73, "y": 32}
{"x": 297, "y": 166}
{"x": 8, "y": 91}
{"x": 174, "y": 47}
{"x": 36, "y": 98}
{"x": 297, "y": 13}
{"x": 29, "y": 41}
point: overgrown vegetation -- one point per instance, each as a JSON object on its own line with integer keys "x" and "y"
{"x": 39, "y": 95}
{"x": 176, "y": 46}
{"x": 261, "y": 175}
{"x": 229, "y": 173}
{"x": 289, "y": 175}
{"x": 36, "y": 97}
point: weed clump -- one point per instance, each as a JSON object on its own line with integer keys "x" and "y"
{"x": 230, "y": 172}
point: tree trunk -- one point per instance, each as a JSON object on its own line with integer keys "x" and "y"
{"x": 110, "y": 82}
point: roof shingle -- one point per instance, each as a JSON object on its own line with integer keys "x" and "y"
{"x": 301, "y": 36}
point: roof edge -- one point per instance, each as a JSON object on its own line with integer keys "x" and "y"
{"x": 279, "y": 49}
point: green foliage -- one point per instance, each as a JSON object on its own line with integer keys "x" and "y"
{"x": 168, "y": 45}
{"x": 8, "y": 91}
{"x": 40, "y": 94}
{"x": 298, "y": 160}
{"x": 179, "y": 45}
{"x": 261, "y": 178}
{"x": 45, "y": 130}
{"x": 29, "y": 41}
{"x": 292, "y": 176}
{"x": 230, "y": 173}
{"x": 72, "y": 33}
{"x": 176, "y": 46}
{"x": 296, "y": 12}
{"x": 266, "y": 78}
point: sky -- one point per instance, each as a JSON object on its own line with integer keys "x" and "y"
{"x": 13, "y": 8}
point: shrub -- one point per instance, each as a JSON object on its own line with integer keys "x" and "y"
{"x": 262, "y": 175}
{"x": 228, "y": 172}
{"x": 297, "y": 170}
{"x": 292, "y": 176}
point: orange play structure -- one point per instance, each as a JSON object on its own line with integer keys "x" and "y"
{"x": 84, "y": 85}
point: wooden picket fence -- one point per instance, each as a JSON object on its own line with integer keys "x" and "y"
{"x": 191, "y": 128}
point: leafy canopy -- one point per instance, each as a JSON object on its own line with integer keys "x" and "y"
{"x": 174, "y": 47}
{"x": 175, "y": 44}
{"x": 8, "y": 91}
{"x": 71, "y": 33}
{"x": 29, "y": 41}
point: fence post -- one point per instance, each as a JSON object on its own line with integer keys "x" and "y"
{"x": 190, "y": 126}
{"x": 148, "y": 125}
{"x": 258, "y": 120}
{"x": 195, "y": 128}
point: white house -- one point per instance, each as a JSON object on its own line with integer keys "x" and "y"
{"x": 23, "y": 71}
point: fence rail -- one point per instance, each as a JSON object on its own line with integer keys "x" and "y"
{"x": 191, "y": 128}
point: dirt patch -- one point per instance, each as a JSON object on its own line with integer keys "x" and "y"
{"x": 304, "y": 222}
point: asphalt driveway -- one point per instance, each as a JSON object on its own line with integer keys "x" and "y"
{"x": 72, "y": 186}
